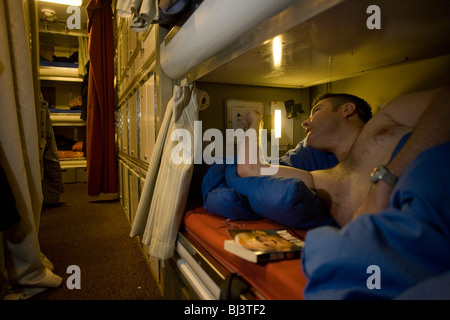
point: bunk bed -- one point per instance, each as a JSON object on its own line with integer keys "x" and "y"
{"x": 324, "y": 41}
{"x": 60, "y": 73}
{"x": 69, "y": 131}
{"x": 59, "y": 70}
{"x": 67, "y": 123}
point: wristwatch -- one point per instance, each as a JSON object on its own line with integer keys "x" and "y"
{"x": 382, "y": 173}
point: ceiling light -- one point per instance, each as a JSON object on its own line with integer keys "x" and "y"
{"x": 49, "y": 15}
{"x": 278, "y": 123}
{"x": 277, "y": 51}
{"x": 67, "y": 2}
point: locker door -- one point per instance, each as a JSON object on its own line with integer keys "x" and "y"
{"x": 126, "y": 190}
{"x": 124, "y": 55}
{"x": 124, "y": 126}
{"x": 148, "y": 45}
{"x": 133, "y": 129}
{"x": 147, "y": 119}
{"x": 134, "y": 193}
{"x": 119, "y": 127}
{"x": 120, "y": 168}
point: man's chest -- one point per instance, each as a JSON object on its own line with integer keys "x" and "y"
{"x": 374, "y": 146}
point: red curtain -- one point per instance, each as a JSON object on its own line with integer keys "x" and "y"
{"x": 100, "y": 130}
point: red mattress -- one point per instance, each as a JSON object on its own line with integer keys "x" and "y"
{"x": 69, "y": 154}
{"x": 280, "y": 280}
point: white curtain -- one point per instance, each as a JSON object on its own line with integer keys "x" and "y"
{"x": 83, "y": 54}
{"x": 166, "y": 187}
{"x": 26, "y": 269}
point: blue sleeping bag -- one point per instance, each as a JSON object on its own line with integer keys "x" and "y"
{"x": 222, "y": 200}
{"x": 306, "y": 158}
{"x": 286, "y": 201}
{"x": 409, "y": 242}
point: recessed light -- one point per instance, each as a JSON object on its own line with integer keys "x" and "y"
{"x": 67, "y": 2}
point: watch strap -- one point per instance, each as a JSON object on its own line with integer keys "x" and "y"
{"x": 389, "y": 178}
{"x": 383, "y": 173}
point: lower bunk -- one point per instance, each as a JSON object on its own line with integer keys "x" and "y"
{"x": 202, "y": 269}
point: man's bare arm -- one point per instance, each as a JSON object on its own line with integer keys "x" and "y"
{"x": 250, "y": 166}
{"x": 429, "y": 113}
{"x": 431, "y": 128}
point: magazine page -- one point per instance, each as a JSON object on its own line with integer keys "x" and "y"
{"x": 267, "y": 239}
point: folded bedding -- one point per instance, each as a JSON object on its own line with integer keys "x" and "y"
{"x": 61, "y": 62}
{"x": 399, "y": 253}
{"x": 307, "y": 158}
{"x": 65, "y": 111}
{"x": 284, "y": 200}
{"x": 287, "y": 201}
{"x": 222, "y": 200}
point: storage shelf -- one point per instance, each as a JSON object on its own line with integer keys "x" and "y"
{"x": 60, "y": 74}
{"x": 73, "y": 163}
{"x": 67, "y": 79}
{"x": 64, "y": 120}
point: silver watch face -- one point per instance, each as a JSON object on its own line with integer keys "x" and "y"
{"x": 381, "y": 173}
{"x": 376, "y": 175}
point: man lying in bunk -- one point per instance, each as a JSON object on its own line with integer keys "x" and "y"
{"x": 226, "y": 194}
{"x": 416, "y": 121}
{"x": 305, "y": 156}
{"x": 288, "y": 201}
{"x": 401, "y": 249}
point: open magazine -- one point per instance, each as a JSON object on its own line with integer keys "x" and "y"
{"x": 264, "y": 245}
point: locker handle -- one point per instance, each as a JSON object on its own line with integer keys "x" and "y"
{"x": 142, "y": 48}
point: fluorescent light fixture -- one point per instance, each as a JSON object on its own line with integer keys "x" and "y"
{"x": 67, "y": 2}
{"x": 277, "y": 51}
{"x": 277, "y": 123}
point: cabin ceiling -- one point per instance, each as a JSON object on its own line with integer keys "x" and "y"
{"x": 337, "y": 44}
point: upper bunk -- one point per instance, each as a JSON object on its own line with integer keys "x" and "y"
{"x": 63, "y": 52}
{"x": 61, "y": 72}
{"x": 315, "y": 41}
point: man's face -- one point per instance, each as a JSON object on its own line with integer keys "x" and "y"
{"x": 321, "y": 125}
